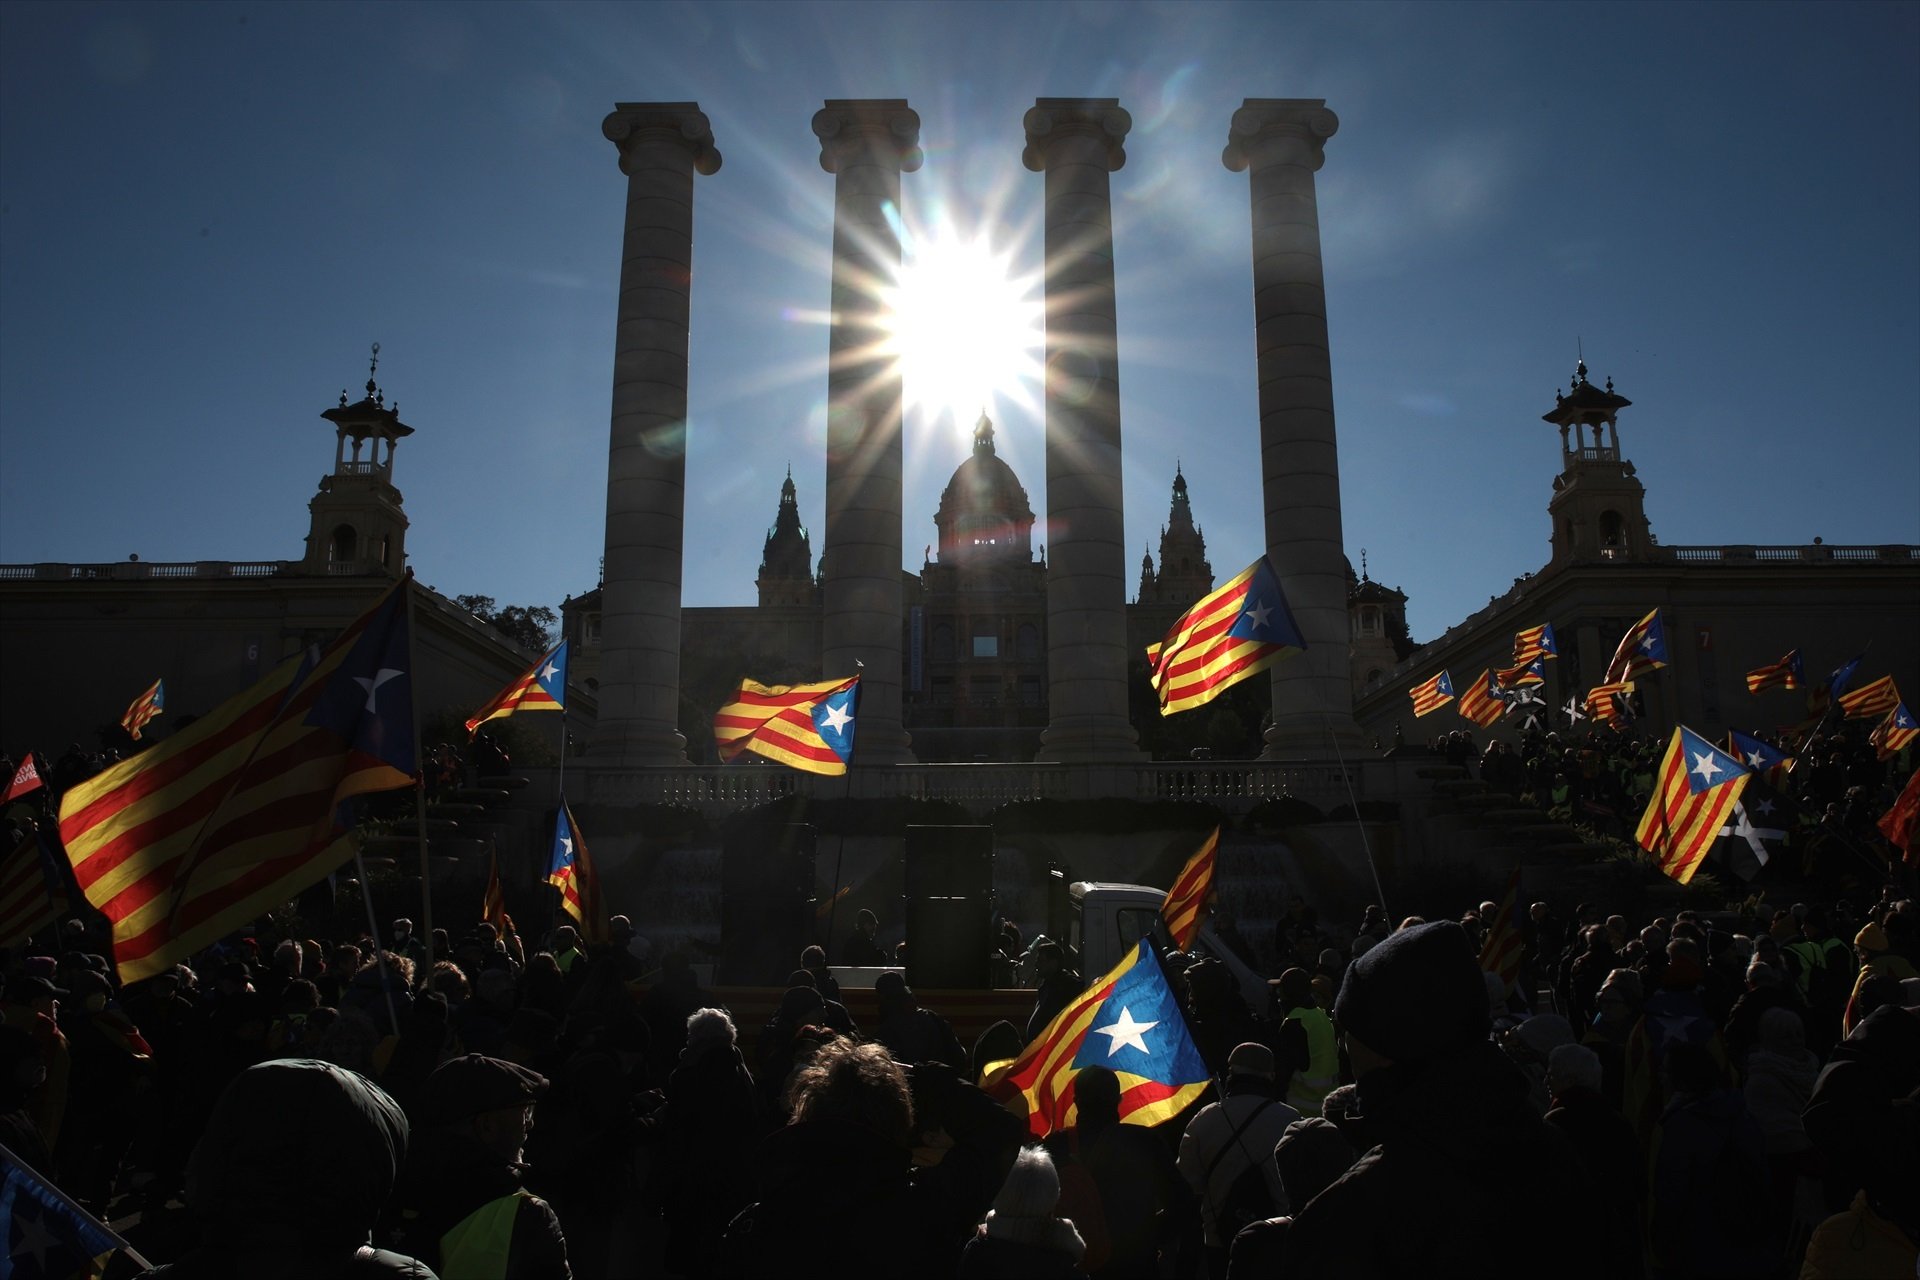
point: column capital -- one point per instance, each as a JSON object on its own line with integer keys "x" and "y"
{"x": 683, "y": 121}
{"x": 1053, "y": 119}
{"x": 872, "y": 128}
{"x": 1305, "y": 122}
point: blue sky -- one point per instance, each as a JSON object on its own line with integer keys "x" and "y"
{"x": 207, "y": 213}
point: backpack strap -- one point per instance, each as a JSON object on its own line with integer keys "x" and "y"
{"x": 1233, "y": 1140}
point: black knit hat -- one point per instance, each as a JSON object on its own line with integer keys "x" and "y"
{"x": 469, "y": 1085}
{"x": 1417, "y": 996}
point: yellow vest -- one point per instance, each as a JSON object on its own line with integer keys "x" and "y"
{"x": 476, "y": 1247}
{"x": 1309, "y": 1087}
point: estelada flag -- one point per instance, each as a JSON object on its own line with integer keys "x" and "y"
{"x": 1521, "y": 674}
{"x": 570, "y": 870}
{"x": 1784, "y": 674}
{"x": 1233, "y": 632}
{"x": 239, "y": 811}
{"x": 1869, "y": 700}
{"x": 1534, "y": 642}
{"x": 1694, "y": 792}
{"x": 25, "y": 779}
{"x": 1891, "y": 736}
{"x": 143, "y": 709}
{"x": 1431, "y": 695}
{"x": 1130, "y": 1022}
{"x": 1643, "y": 648}
{"x": 808, "y": 726}
{"x": 1482, "y": 703}
{"x": 541, "y": 687}
{"x": 1765, "y": 759}
{"x": 1187, "y": 899}
{"x": 1603, "y": 702}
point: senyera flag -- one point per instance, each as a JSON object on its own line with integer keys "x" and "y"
{"x": 1186, "y": 901}
{"x": 1130, "y": 1022}
{"x": 493, "y": 899}
{"x": 1694, "y": 792}
{"x": 242, "y": 809}
{"x": 144, "y": 708}
{"x": 807, "y": 726}
{"x": 541, "y": 687}
{"x": 1603, "y": 702}
{"x": 571, "y": 871}
{"x": 1234, "y": 632}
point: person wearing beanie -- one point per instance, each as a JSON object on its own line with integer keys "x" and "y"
{"x": 304, "y": 1204}
{"x": 1876, "y": 958}
{"x": 462, "y": 1207}
{"x": 1460, "y": 1160}
{"x": 1304, "y": 1048}
{"x": 1225, "y": 1153}
{"x": 1023, "y": 1235}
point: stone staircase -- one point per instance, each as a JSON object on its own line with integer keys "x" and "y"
{"x": 1468, "y": 820}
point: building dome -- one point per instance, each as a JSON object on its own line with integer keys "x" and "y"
{"x": 984, "y": 509}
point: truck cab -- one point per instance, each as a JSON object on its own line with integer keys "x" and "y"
{"x": 1098, "y": 922}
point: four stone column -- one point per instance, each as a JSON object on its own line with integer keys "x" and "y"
{"x": 1279, "y": 142}
{"x": 865, "y": 144}
{"x": 662, "y": 145}
{"x": 1077, "y": 142}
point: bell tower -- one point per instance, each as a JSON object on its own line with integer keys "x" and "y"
{"x": 358, "y": 525}
{"x": 1598, "y": 506}
{"x": 786, "y": 559}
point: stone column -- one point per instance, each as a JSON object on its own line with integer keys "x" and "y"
{"x": 865, "y": 143}
{"x": 1077, "y": 142}
{"x": 662, "y": 145}
{"x": 1278, "y": 141}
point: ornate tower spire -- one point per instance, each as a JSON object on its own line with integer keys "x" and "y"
{"x": 357, "y": 523}
{"x": 1598, "y": 506}
{"x": 786, "y": 559}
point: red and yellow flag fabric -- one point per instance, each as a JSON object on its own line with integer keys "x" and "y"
{"x": 807, "y": 726}
{"x": 1235, "y": 631}
{"x": 493, "y": 901}
{"x": 1901, "y": 824}
{"x": 1869, "y": 700}
{"x": 1506, "y": 937}
{"x": 570, "y": 870}
{"x": 1784, "y": 674}
{"x": 144, "y": 709}
{"x": 541, "y": 687}
{"x": 1603, "y": 702}
{"x": 1891, "y": 736}
{"x": 1694, "y": 792}
{"x": 1481, "y": 703}
{"x": 1431, "y": 695}
{"x": 241, "y": 810}
{"x": 1186, "y": 901}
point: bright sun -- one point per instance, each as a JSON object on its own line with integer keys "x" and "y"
{"x": 967, "y": 330}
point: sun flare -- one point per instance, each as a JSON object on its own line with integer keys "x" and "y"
{"x": 967, "y": 329}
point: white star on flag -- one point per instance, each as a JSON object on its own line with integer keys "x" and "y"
{"x": 838, "y": 717}
{"x": 546, "y": 672}
{"x": 1126, "y": 1032}
{"x": 1259, "y": 614}
{"x": 373, "y": 686}
{"x": 1706, "y": 766}
{"x": 566, "y": 842}
{"x": 1754, "y": 758}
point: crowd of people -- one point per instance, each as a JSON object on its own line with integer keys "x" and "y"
{"x": 1689, "y": 1097}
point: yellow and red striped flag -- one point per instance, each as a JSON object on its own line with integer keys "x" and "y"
{"x": 1431, "y": 695}
{"x": 1482, "y": 703}
{"x": 239, "y": 811}
{"x": 1875, "y": 699}
{"x": 1234, "y": 632}
{"x": 1891, "y": 736}
{"x": 1534, "y": 642}
{"x": 1603, "y": 702}
{"x": 808, "y": 726}
{"x": 1643, "y": 648}
{"x": 32, "y": 893}
{"x": 570, "y": 870}
{"x": 1128, "y": 1021}
{"x": 542, "y": 687}
{"x": 493, "y": 901}
{"x": 1784, "y": 674}
{"x": 1694, "y": 792}
{"x": 144, "y": 709}
{"x": 1506, "y": 937}
{"x": 1188, "y": 897}
{"x": 1901, "y": 823}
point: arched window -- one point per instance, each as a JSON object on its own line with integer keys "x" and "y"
{"x": 345, "y": 547}
{"x": 1613, "y": 530}
{"x": 1373, "y": 679}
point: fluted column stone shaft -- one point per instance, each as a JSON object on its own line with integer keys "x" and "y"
{"x": 865, "y": 144}
{"x": 662, "y": 145}
{"x": 1076, "y": 143}
{"x": 1279, "y": 143}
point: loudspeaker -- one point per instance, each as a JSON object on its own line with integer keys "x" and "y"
{"x": 949, "y": 942}
{"x": 767, "y": 911}
{"x": 949, "y": 862}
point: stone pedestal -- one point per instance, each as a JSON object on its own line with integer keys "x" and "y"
{"x": 1076, "y": 143}
{"x": 1278, "y": 142}
{"x": 662, "y": 145}
{"x": 865, "y": 144}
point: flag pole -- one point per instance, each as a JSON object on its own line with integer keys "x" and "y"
{"x": 840, "y": 841}
{"x": 1353, "y": 800}
{"x": 419, "y": 792}
{"x": 373, "y": 928}
{"x": 77, "y": 1209}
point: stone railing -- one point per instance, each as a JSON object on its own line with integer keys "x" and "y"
{"x": 139, "y": 570}
{"x": 1233, "y": 785}
{"x": 1817, "y": 553}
